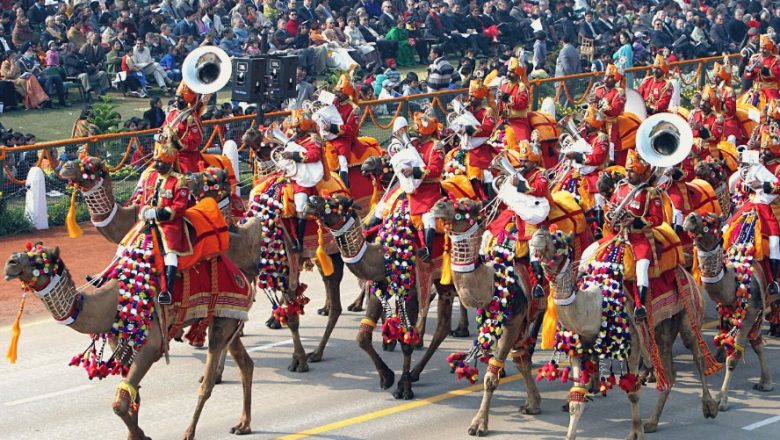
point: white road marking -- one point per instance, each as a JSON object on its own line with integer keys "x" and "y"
{"x": 48, "y": 395}
{"x": 272, "y": 345}
{"x": 754, "y": 426}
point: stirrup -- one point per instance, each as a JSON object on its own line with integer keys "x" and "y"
{"x": 640, "y": 313}
{"x": 773, "y": 288}
{"x": 164, "y": 298}
{"x": 424, "y": 254}
{"x": 537, "y": 291}
{"x": 296, "y": 246}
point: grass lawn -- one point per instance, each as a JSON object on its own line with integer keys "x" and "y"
{"x": 55, "y": 124}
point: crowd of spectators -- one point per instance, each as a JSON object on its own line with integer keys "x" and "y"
{"x": 133, "y": 45}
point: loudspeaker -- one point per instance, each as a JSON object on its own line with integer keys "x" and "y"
{"x": 248, "y": 79}
{"x": 264, "y": 78}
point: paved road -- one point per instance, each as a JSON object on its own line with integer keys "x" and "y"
{"x": 42, "y": 398}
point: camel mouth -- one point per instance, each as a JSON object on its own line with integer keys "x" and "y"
{"x": 12, "y": 270}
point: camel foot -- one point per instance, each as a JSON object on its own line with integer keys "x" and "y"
{"x": 314, "y": 356}
{"x": 651, "y": 426}
{"x": 531, "y": 410}
{"x": 404, "y": 389}
{"x": 297, "y": 366}
{"x": 323, "y": 311}
{"x": 217, "y": 380}
{"x": 189, "y": 434}
{"x": 720, "y": 355}
{"x": 709, "y": 408}
{"x": 386, "y": 378}
{"x": 355, "y": 307}
{"x": 478, "y": 427}
{"x": 460, "y": 332}
{"x": 414, "y": 375}
{"x": 565, "y": 407}
{"x": 635, "y": 435}
{"x": 272, "y": 323}
{"x": 389, "y": 346}
{"x": 723, "y": 403}
{"x": 241, "y": 429}
{"x": 763, "y": 387}
{"x": 420, "y": 344}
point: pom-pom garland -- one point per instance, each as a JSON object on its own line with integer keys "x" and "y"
{"x": 138, "y": 283}
{"x": 272, "y": 266}
{"x": 741, "y": 255}
{"x": 455, "y": 166}
{"x": 397, "y": 239}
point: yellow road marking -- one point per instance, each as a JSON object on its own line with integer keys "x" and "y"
{"x": 407, "y": 406}
{"x": 393, "y": 410}
{"x": 26, "y": 325}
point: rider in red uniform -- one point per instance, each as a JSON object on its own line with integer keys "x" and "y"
{"x": 347, "y": 143}
{"x": 656, "y": 90}
{"x": 165, "y": 197}
{"x": 426, "y": 195}
{"x": 641, "y": 213}
{"x": 593, "y": 162}
{"x": 610, "y": 100}
{"x": 764, "y": 69}
{"x": 184, "y": 126}
{"x": 514, "y": 100}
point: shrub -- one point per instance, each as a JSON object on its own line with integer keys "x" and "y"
{"x": 105, "y": 117}
{"x": 58, "y": 210}
{"x": 13, "y": 220}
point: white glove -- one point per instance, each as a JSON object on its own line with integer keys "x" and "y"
{"x": 149, "y": 214}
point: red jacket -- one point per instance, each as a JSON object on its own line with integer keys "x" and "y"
{"x": 597, "y": 158}
{"x": 190, "y": 134}
{"x": 646, "y": 205}
{"x": 171, "y": 196}
{"x": 712, "y": 122}
{"x": 616, "y": 103}
{"x": 429, "y": 191}
{"x": 657, "y": 94}
{"x": 349, "y": 131}
{"x": 517, "y": 105}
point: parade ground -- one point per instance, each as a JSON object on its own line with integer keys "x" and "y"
{"x": 339, "y": 398}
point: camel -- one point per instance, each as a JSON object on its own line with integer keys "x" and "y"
{"x": 719, "y": 281}
{"x": 581, "y": 312}
{"x": 474, "y": 285}
{"x": 95, "y": 314}
{"x": 366, "y": 261}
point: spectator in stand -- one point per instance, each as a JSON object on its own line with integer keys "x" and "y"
{"x": 305, "y": 89}
{"x": 312, "y": 58}
{"x": 659, "y": 37}
{"x": 187, "y": 26}
{"x": 440, "y": 71}
{"x": 355, "y": 39}
{"x": 53, "y": 32}
{"x": 155, "y": 116}
{"x": 306, "y": 13}
{"x": 568, "y": 63}
{"x": 26, "y": 84}
{"x": 53, "y": 56}
{"x": 6, "y": 45}
{"x": 75, "y": 66}
{"x": 239, "y": 28}
{"x": 400, "y": 35}
{"x": 281, "y": 39}
{"x": 540, "y": 50}
{"x": 143, "y": 63}
{"x": 387, "y": 49}
{"x": 214, "y": 20}
{"x": 22, "y": 32}
{"x": 737, "y": 27}
{"x": 93, "y": 53}
{"x": 30, "y": 63}
{"x": 292, "y": 23}
{"x": 624, "y": 56}
{"x": 230, "y": 44}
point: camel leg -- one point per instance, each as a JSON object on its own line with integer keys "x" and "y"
{"x": 220, "y": 333}
{"x": 422, "y": 318}
{"x": 333, "y": 293}
{"x": 462, "y": 331}
{"x": 142, "y": 362}
{"x": 709, "y": 405}
{"x": 246, "y": 366}
{"x": 765, "y": 383}
{"x": 364, "y": 336}
{"x": 404, "y": 389}
{"x": 576, "y": 407}
{"x": 444, "y": 318}
{"x": 357, "y": 304}
{"x": 299, "y": 362}
{"x": 220, "y": 367}
{"x": 637, "y": 429}
{"x": 533, "y": 399}
{"x": 512, "y": 329}
{"x": 664, "y": 336}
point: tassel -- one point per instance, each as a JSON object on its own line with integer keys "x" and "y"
{"x": 16, "y": 331}
{"x": 74, "y": 231}
{"x": 550, "y": 323}
{"x": 446, "y": 267}
{"x": 326, "y": 263}
{"x": 374, "y": 196}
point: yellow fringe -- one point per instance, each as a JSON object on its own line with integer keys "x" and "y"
{"x": 446, "y": 267}
{"x": 374, "y": 196}
{"x": 16, "y": 331}
{"x": 326, "y": 263}
{"x": 550, "y": 323}
{"x": 74, "y": 231}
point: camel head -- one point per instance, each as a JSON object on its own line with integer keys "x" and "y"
{"x": 334, "y": 211}
{"x": 460, "y": 215}
{"x": 607, "y": 181}
{"x": 711, "y": 170}
{"x": 378, "y": 167}
{"x": 212, "y": 182}
{"x": 550, "y": 247}
{"x": 84, "y": 172}
{"x": 705, "y": 230}
{"x": 35, "y": 267}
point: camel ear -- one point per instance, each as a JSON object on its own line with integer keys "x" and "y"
{"x": 55, "y": 253}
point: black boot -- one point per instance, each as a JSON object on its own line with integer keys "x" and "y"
{"x": 537, "y": 290}
{"x": 166, "y": 296}
{"x": 375, "y": 221}
{"x": 599, "y": 222}
{"x": 774, "y": 288}
{"x": 425, "y": 253}
{"x": 344, "y": 178}
{"x": 489, "y": 191}
{"x": 300, "y": 231}
{"x": 535, "y": 328}
{"x": 640, "y": 312}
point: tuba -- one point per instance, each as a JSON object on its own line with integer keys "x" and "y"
{"x": 206, "y": 70}
{"x": 324, "y": 113}
{"x": 569, "y": 141}
{"x": 531, "y": 209}
{"x": 305, "y": 174}
{"x": 403, "y": 154}
{"x": 459, "y": 120}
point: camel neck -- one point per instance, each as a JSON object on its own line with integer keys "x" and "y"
{"x": 350, "y": 241}
{"x": 100, "y": 201}
{"x": 564, "y": 282}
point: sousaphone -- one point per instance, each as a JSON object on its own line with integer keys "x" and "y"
{"x": 206, "y": 70}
